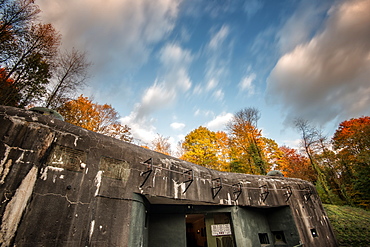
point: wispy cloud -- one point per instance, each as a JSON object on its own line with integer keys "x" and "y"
{"x": 328, "y": 77}
{"x": 175, "y": 61}
{"x": 205, "y": 113}
{"x": 218, "y": 38}
{"x": 218, "y": 95}
{"x": 246, "y": 84}
{"x": 217, "y": 53}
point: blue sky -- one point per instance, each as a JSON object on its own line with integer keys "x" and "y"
{"x": 170, "y": 66}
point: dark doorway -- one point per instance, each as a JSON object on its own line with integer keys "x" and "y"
{"x": 196, "y": 230}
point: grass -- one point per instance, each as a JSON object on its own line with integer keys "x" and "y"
{"x": 351, "y": 225}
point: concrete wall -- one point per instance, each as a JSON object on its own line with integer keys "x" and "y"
{"x": 61, "y": 185}
{"x": 250, "y": 222}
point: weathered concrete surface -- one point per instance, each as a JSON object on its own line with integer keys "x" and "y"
{"x": 87, "y": 190}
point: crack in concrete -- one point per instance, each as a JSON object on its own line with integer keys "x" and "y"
{"x": 65, "y": 197}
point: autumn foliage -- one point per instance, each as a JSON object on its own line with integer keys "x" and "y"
{"x": 296, "y": 165}
{"x": 351, "y": 141}
{"x": 91, "y": 116}
{"x": 200, "y": 147}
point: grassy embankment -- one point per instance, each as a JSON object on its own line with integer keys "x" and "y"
{"x": 351, "y": 225}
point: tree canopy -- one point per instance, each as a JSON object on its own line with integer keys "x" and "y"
{"x": 351, "y": 141}
{"x": 200, "y": 147}
{"x": 103, "y": 119}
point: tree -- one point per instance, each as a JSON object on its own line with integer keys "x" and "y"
{"x": 245, "y": 142}
{"x": 107, "y": 116}
{"x": 102, "y": 119}
{"x": 69, "y": 75}
{"x": 295, "y": 165}
{"x": 272, "y": 153}
{"x": 120, "y": 132}
{"x": 15, "y": 17}
{"x": 33, "y": 82}
{"x": 311, "y": 140}
{"x": 160, "y": 144}
{"x": 81, "y": 112}
{"x": 30, "y": 64}
{"x": 351, "y": 141}
{"x": 352, "y": 136}
{"x": 200, "y": 147}
{"x": 28, "y": 55}
{"x": 109, "y": 124}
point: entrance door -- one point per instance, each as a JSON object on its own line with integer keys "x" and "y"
{"x": 196, "y": 230}
{"x": 219, "y": 230}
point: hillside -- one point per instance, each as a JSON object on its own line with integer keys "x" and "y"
{"x": 351, "y": 225}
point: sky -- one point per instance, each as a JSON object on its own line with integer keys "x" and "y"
{"x": 170, "y": 66}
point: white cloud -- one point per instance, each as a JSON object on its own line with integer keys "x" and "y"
{"x": 246, "y": 84}
{"x": 142, "y": 130}
{"x": 219, "y": 38}
{"x": 219, "y": 122}
{"x": 177, "y": 126}
{"x": 181, "y": 137}
{"x": 155, "y": 98}
{"x": 328, "y": 77}
{"x": 219, "y": 95}
{"x": 175, "y": 61}
{"x": 211, "y": 84}
{"x": 293, "y": 143}
{"x": 207, "y": 113}
{"x": 173, "y": 55}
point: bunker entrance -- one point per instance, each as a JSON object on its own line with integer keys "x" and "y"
{"x": 170, "y": 225}
{"x": 190, "y": 226}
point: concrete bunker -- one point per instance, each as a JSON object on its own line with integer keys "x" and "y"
{"x": 65, "y": 186}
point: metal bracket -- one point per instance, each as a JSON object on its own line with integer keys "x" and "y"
{"x": 149, "y": 162}
{"x": 265, "y": 192}
{"x": 307, "y": 194}
{"x": 237, "y": 190}
{"x": 190, "y": 178}
{"x": 216, "y": 186}
{"x": 288, "y": 193}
